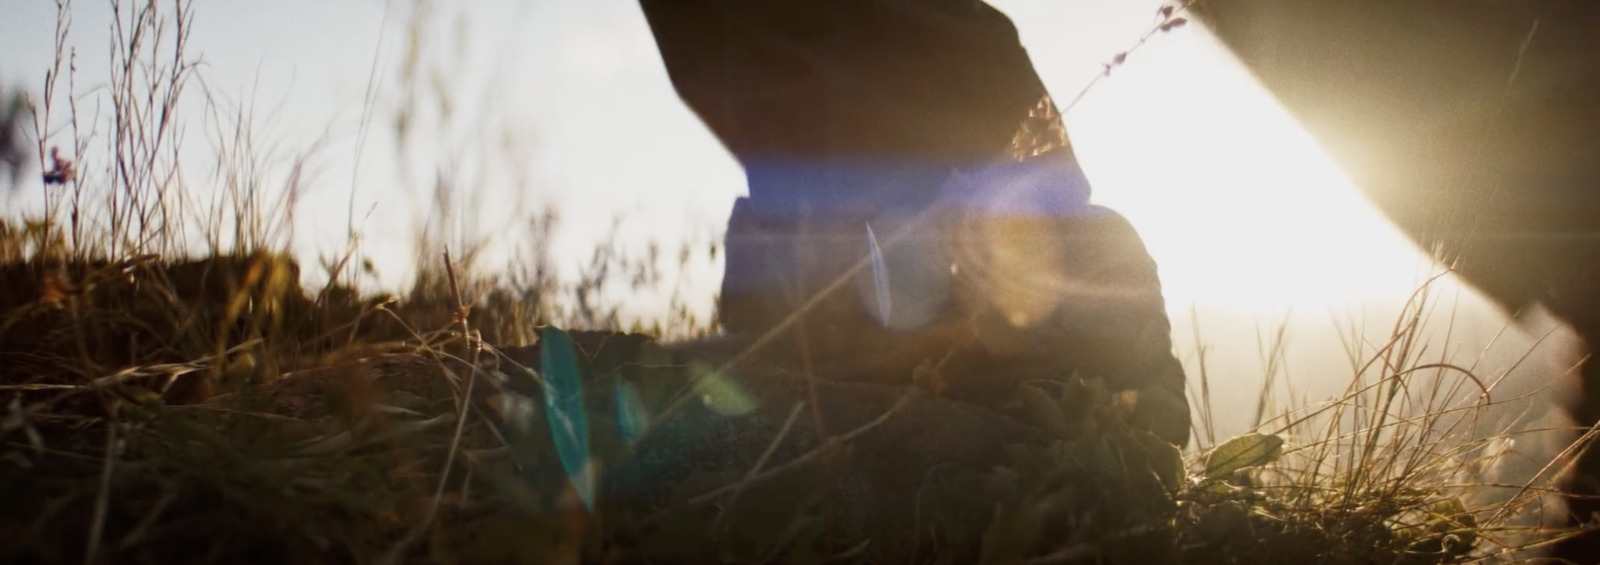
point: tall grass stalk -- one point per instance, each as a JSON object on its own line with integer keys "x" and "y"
{"x": 1406, "y": 445}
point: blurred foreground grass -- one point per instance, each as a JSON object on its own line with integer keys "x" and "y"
{"x": 211, "y": 411}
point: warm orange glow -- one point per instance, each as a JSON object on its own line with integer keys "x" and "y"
{"x": 1252, "y": 225}
{"x": 1234, "y": 198}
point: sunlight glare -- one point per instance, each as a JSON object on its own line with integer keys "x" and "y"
{"x": 1238, "y": 203}
{"x": 1254, "y": 229}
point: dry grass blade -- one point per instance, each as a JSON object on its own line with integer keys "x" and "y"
{"x": 830, "y": 445}
{"x": 463, "y": 408}
{"x": 719, "y": 522}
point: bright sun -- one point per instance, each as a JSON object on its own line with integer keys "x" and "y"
{"x": 1252, "y": 226}
{"x": 1237, "y": 203}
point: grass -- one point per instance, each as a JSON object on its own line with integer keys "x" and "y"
{"x": 169, "y": 405}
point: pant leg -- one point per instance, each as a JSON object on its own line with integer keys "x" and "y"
{"x": 1080, "y": 295}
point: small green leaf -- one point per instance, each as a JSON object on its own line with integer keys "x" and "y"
{"x": 719, "y": 393}
{"x": 1242, "y": 452}
{"x": 1166, "y": 461}
{"x": 564, "y": 409}
{"x": 1215, "y": 490}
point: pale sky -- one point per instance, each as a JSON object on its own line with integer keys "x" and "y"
{"x": 565, "y": 103}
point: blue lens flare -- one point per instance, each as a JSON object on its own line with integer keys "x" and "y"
{"x": 564, "y": 410}
{"x": 880, "y": 277}
{"x": 632, "y": 416}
